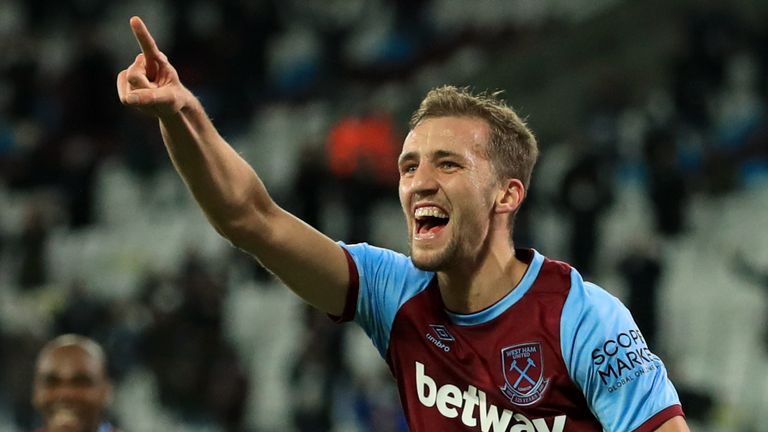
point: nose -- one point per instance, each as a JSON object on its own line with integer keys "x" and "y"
{"x": 423, "y": 181}
{"x": 63, "y": 395}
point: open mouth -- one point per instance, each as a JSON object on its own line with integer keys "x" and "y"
{"x": 64, "y": 419}
{"x": 430, "y": 220}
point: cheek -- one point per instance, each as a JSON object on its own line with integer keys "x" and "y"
{"x": 93, "y": 401}
{"x": 486, "y": 190}
{"x": 478, "y": 195}
{"x": 39, "y": 398}
{"x": 402, "y": 195}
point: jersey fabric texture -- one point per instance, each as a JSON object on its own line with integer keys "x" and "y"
{"x": 555, "y": 354}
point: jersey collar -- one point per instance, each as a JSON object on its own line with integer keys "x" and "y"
{"x": 508, "y": 300}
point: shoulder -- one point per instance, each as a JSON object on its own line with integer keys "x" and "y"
{"x": 374, "y": 262}
{"x": 385, "y": 281}
{"x": 553, "y": 277}
{"x": 587, "y": 298}
{"x": 365, "y": 250}
{"x": 591, "y": 319}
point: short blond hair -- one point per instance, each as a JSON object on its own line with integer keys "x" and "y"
{"x": 512, "y": 148}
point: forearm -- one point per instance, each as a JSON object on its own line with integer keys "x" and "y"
{"x": 224, "y": 185}
{"x": 230, "y": 193}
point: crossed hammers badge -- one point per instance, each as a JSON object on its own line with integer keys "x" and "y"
{"x": 523, "y": 369}
{"x": 523, "y": 373}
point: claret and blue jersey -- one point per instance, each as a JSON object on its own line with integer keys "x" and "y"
{"x": 555, "y": 354}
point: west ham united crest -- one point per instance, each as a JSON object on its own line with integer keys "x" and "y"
{"x": 523, "y": 369}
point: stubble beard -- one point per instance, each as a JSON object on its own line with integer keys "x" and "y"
{"x": 434, "y": 261}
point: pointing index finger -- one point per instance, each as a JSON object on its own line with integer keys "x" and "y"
{"x": 144, "y": 38}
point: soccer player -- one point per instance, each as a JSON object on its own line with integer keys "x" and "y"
{"x": 478, "y": 335}
{"x": 71, "y": 389}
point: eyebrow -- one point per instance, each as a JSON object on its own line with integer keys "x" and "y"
{"x": 56, "y": 375}
{"x": 438, "y": 154}
{"x": 407, "y": 156}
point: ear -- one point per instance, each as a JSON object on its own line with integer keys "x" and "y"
{"x": 510, "y": 196}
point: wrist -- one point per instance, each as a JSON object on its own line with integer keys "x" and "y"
{"x": 185, "y": 104}
{"x": 188, "y": 102}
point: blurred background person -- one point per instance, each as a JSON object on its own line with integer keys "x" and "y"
{"x": 71, "y": 388}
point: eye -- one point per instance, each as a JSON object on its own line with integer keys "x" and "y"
{"x": 50, "y": 381}
{"x": 408, "y": 168}
{"x": 449, "y": 165}
{"x": 83, "y": 381}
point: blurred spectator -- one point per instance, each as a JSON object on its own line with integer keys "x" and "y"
{"x": 78, "y": 177}
{"x": 82, "y": 313}
{"x": 85, "y": 102}
{"x": 198, "y": 374}
{"x": 641, "y": 269}
{"x": 310, "y": 185}
{"x": 121, "y": 335}
{"x": 523, "y": 235}
{"x": 17, "y": 355}
{"x": 316, "y": 373}
{"x": 71, "y": 386}
{"x": 585, "y": 195}
{"x": 711, "y": 33}
{"x": 227, "y": 389}
{"x": 362, "y": 152}
{"x": 208, "y": 39}
{"x": 33, "y": 248}
{"x": 667, "y": 186}
{"x": 377, "y": 405}
{"x": 758, "y": 276}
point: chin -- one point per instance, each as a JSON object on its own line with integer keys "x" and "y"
{"x": 436, "y": 258}
{"x": 424, "y": 265}
{"x": 66, "y": 428}
{"x": 428, "y": 261}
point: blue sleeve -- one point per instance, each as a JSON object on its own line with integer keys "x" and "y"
{"x": 624, "y": 383}
{"x": 387, "y": 280}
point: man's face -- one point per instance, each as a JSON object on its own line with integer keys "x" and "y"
{"x": 447, "y": 190}
{"x": 70, "y": 390}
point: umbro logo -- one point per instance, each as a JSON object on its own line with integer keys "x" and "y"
{"x": 442, "y": 332}
{"x": 442, "y": 335}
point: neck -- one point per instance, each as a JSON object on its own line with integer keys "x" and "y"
{"x": 480, "y": 284}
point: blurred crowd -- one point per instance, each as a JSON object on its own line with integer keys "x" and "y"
{"x": 347, "y": 73}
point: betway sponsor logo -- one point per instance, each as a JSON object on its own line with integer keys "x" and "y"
{"x": 472, "y": 407}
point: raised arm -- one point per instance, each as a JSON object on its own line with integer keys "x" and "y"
{"x": 228, "y": 190}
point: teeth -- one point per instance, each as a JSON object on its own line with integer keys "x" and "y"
{"x": 422, "y": 212}
{"x": 64, "y": 417}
